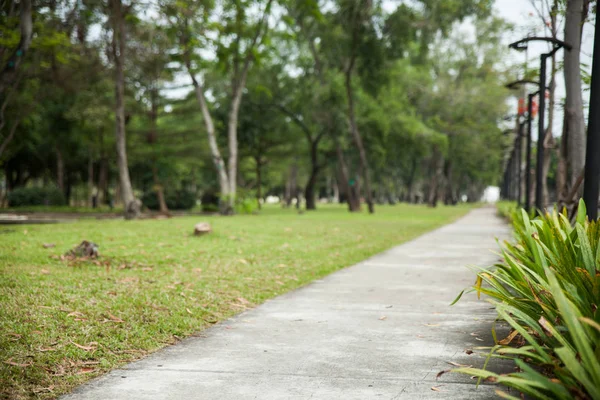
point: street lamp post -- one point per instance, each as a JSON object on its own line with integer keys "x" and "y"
{"x": 528, "y": 151}
{"x": 515, "y": 85}
{"x": 556, "y": 45}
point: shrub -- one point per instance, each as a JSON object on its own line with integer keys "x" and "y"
{"x": 176, "y": 200}
{"x": 36, "y": 196}
{"x": 548, "y": 289}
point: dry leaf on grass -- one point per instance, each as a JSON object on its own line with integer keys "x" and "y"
{"x": 112, "y": 318}
{"x": 16, "y": 364}
{"x": 44, "y": 271}
{"x": 92, "y": 346}
{"x": 189, "y": 312}
{"x": 75, "y": 314}
{"x": 48, "y": 245}
{"x": 85, "y": 370}
{"x": 43, "y": 389}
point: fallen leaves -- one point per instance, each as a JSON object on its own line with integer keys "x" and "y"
{"x": 16, "y": 364}
{"x": 382, "y": 318}
{"x": 85, "y": 370}
{"x": 44, "y": 271}
{"x": 455, "y": 364}
{"x": 43, "y": 389}
{"x": 436, "y": 389}
{"x": 112, "y": 318}
{"x": 441, "y": 373}
{"x": 49, "y": 245}
{"x": 92, "y": 346}
{"x": 469, "y": 351}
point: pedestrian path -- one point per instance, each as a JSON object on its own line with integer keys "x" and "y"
{"x": 381, "y": 329}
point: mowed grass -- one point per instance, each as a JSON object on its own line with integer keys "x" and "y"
{"x": 64, "y": 322}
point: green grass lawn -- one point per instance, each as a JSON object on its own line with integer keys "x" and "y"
{"x": 63, "y": 322}
{"x": 61, "y": 209}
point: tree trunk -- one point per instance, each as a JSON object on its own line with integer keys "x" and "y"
{"x": 411, "y": 180}
{"x": 160, "y": 192}
{"x": 103, "y": 182}
{"x": 309, "y": 192}
{"x": 9, "y": 71}
{"x": 562, "y": 186}
{"x": 258, "y": 182}
{"x": 60, "y": 170}
{"x": 232, "y": 123}
{"x": 351, "y": 193}
{"x": 437, "y": 166}
{"x": 151, "y": 139}
{"x": 449, "y": 198}
{"x": 90, "y": 183}
{"x": 364, "y": 166}
{"x": 8, "y": 138}
{"x": 130, "y": 204}
{"x": 212, "y": 143}
{"x": 574, "y": 101}
{"x": 293, "y": 184}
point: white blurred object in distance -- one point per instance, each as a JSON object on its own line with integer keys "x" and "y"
{"x": 272, "y": 200}
{"x": 491, "y": 194}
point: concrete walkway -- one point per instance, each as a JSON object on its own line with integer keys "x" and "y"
{"x": 381, "y": 329}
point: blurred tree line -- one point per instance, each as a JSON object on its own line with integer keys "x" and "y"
{"x": 169, "y": 101}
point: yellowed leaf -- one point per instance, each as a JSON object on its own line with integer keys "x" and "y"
{"x": 506, "y": 341}
{"x": 478, "y": 283}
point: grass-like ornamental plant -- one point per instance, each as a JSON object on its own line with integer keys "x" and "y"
{"x": 547, "y": 288}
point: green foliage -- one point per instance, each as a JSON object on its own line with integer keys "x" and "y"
{"x": 36, "y": 196}
{"x": 246, "y": 203}
{"x": 176, "y": 200}
{"x": 548, "y": 290}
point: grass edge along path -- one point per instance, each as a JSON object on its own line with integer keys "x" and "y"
{"x": 64, "y": 321}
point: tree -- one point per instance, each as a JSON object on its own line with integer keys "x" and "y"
{"x": 237, "y": 46}
{"x": 574, "y": 130}
{"x": 9, "y": 78}
{"x": 117, "y": 18}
